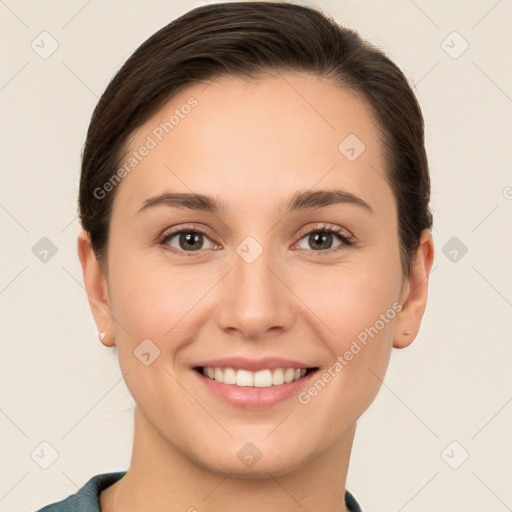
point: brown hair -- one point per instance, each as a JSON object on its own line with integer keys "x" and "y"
{"x": 248, "y": 39}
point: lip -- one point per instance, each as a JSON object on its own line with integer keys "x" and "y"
{"x": 253, "y": 365}
{"x": 255, "y": 398}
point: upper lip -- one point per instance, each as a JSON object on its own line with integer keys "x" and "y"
{"x": 254, "y": 365}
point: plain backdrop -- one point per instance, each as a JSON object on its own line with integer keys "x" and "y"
{"x": 438, "y": 435}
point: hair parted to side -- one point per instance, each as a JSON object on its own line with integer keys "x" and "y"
{"x": 249, "y": 40}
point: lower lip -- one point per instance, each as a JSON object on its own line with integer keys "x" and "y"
{"x": 247, "y": 397}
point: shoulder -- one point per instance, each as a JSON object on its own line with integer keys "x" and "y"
{"x": 86, "y": 498}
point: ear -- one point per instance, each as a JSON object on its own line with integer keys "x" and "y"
{"x": 414, "y": 293}
{"x": 96, "y": 285}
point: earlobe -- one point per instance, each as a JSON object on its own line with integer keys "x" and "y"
{"x": 408, "y": 321}
{"x": 97, "y": 291}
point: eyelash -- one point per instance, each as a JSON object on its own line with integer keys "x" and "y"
{"x": 347, "y": 240}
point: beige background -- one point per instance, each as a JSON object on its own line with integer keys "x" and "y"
{"x": 59, "y": 385}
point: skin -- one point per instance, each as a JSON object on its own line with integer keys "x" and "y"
{"x": 251, "y": 145}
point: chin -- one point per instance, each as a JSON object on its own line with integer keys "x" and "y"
{"x": 256, "y": 469}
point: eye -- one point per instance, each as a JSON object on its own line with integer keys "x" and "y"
{"x": 192, "y": 239}
{"x": 186, "y": 240}
{"x": 321, "y": 238}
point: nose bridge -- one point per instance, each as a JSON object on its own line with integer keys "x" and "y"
{"x": 254, "y": 299}
{"x": 252, "y": 270}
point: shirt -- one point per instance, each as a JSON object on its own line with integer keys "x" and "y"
{"x": 86, "y": 499}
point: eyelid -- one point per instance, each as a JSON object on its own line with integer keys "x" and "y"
{"x": 326, "y": 226}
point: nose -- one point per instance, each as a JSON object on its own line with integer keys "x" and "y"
{"x": 255, "y": 299}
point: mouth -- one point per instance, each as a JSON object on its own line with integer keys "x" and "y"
{"x": 253, "y": 384}
{"x": 265, "y": 378}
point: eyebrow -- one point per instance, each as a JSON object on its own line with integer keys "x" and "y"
{"x": 301, "y": 200}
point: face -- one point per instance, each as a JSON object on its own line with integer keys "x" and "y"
{"x": 268, "y": 273}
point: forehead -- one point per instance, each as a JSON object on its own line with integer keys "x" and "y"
{"x": 246, "y": 141}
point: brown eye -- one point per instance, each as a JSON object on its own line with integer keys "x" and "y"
{"x": 186, "y": 240}
{"x": 322, "y": 239}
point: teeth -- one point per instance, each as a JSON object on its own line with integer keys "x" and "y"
{"x": 260, "y": 379}
{"x": 243, "y": 378}
{"x": 229, "y": 376}
{"x": 289, "y": 375}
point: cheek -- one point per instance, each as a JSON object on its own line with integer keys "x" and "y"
{"x": 165, "y": 304}
{"x": 151, "y": 301}
{"x": 354, "y": 307}
{"x": 152, "y": 309}
{"x": 351, "y": 296}
{"x": 359, "y": 337}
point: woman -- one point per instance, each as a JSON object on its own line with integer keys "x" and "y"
{"x": 256, "y": 238}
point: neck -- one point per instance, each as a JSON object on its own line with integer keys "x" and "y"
{"x": 161, "y": 477}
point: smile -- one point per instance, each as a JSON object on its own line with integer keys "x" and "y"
{"x": 261, "y": 379}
